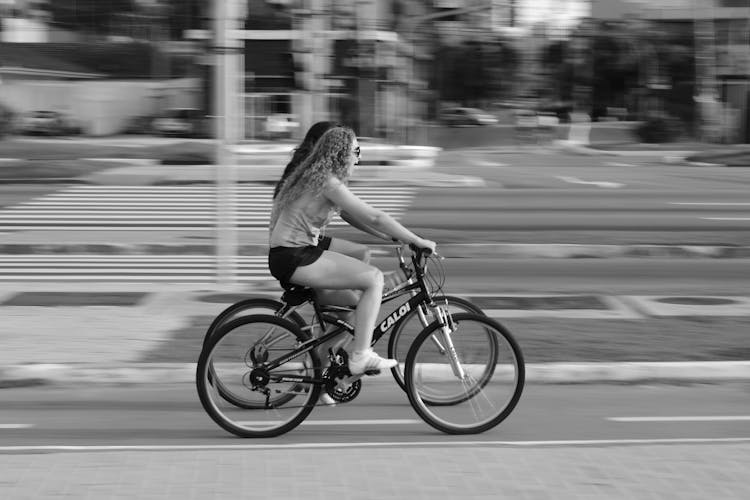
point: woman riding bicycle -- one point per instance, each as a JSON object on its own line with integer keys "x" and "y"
{"x": 307, "y": 201}
{"x": 350, "y": 248}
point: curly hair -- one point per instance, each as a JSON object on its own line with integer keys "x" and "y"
{"x": 301, "y": 152}
{"x": 330, "y": 156}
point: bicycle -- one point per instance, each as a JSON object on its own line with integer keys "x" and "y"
{"x": 399, "y": 340}
{"x": 464, "y": 373}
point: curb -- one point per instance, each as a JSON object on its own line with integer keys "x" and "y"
{"x": 453, "y": 250}
{"x": 667, "y": 156}
{"x": 30, "y": 375}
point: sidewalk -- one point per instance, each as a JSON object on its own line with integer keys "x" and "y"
{"x": 147, "y": 337}
{"x": 359, "y": 471}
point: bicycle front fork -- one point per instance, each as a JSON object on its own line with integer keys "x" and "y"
{"x": 445, "y": 347}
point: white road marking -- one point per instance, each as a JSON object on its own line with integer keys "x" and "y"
{"x": 16, "y": 426}
{"x": 618, "y": 164}
{"x": 603, "y": 184}
{"x": 84, "y": 225}
{"x": 387, "y": 444}
{"x": 485, "y": 163}
{"x": 709, "y": 203}
{"x": 726, "y": 218}
{"x": 705, "y": 418}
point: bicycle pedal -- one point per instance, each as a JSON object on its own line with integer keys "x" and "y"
{"x": 372, "y": 372}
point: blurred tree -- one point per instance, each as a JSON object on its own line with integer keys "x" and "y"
{"x": 615, "y": 67}
{"x": 185, "y": 15}
{"x": 264, "y": 15}
{"x": 677, "y": 64}
{"x": 648, "y": 68}
{"x": 559, "y": 68}
{"x": 554, "y": 53}
{"x": 474, "y": 72}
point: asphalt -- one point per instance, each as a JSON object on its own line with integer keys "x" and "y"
{"x": 105, "y": 343}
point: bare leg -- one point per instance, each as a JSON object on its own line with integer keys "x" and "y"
{"x": 346, "y": 247}
{"x": 336, "y": 271}
{"x": 343, "y": 297}
{"x": 338, "y": 298}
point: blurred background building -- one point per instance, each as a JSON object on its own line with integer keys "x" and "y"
{"x": 385, "y": 67}
{"x": 695, "y": 56}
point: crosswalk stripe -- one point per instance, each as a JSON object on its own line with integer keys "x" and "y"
{"x": 121, "y": 208}
{"x": 127, "y": 268}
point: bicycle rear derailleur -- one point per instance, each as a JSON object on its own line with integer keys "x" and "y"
{"x": 341, "y": 385}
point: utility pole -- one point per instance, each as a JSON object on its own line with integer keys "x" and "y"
{"x": 228, "y": 70}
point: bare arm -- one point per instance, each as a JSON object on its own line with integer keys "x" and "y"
{"x": 362, "y": 227}
{"x": 371, "y": 217}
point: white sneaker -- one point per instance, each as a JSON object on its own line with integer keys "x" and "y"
{"x": 325, "y": 399}
{"x": 367, "y": 361}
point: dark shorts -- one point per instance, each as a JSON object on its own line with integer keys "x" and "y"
{"x": 283, "y": 261}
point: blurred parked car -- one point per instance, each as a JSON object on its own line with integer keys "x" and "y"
{"x": 280, "y": 125}
{"x": 558, "y": 107}
{"x": 47, "y": 123}
{"x": 466, "y": 116}
{"x": 184, "y": 122}
{"x": 139, "y": 125}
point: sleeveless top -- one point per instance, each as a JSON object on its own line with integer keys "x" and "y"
{"x": 300, "y": 223}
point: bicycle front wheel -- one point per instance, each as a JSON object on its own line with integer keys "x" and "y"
{"x": 478, "y": 366}
{"x": 233, "y": 364}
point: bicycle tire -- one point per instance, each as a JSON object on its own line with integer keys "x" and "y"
{"x": 403, "y": 335}
{"x": 234, "y": 310}
{"x": 234, "y": 419}
{"x": 489, "y": 401}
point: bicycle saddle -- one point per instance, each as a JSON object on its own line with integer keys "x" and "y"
{"x": 296, "y": 295}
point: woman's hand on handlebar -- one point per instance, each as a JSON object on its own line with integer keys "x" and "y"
{"x": 426, "y": 244}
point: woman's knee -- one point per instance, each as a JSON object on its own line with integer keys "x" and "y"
{"x": 364, "y": 254}
{"x": 375, "y": 279}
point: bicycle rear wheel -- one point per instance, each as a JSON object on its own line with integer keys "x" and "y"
{"x": 403, "y": 335}
{"x": 233, "y": 364}
{"x": 483, "y": 381}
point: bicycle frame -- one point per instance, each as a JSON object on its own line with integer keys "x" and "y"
{"x": 322, "y": 313}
